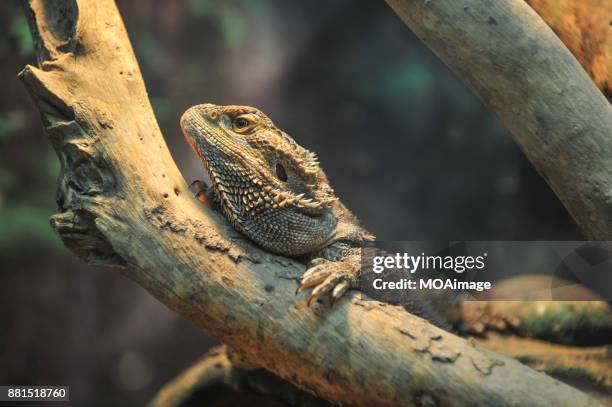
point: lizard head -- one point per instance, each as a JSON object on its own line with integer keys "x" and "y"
{"x": 269, "y": 187}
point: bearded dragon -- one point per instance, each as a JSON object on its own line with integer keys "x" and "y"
{"x": 274, "y": 191}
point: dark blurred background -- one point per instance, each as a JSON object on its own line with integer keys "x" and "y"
{"x": 405, "y": 144}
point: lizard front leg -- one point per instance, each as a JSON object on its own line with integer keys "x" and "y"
{"x": 337, "y": 269}
{"x": 202, "y": 193}
{"x": 333, "y": 273}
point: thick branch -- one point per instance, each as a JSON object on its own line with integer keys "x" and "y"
{"x": 123, "y": 202}
{"x": 589, "y": 364}
{"x": 515, "y": 63}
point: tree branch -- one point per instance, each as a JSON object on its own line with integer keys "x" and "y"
{"x": 519, "y": 68}
{"x": 124, "y": 203}
{"x": 578, "y": 323}
{"x": 215, "y": 375}
{"x": 590, "y": 364}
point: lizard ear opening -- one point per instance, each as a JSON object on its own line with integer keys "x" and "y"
{"x": 280, "y": 172}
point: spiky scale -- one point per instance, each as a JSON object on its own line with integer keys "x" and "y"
{"x": 295, "y": 217}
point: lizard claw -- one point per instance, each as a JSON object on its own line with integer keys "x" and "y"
{"x": 339, "y": 290}
{"x": 329, "y": 278}
{"x": 201, "y": 192}
{"x": 314, "y": 275}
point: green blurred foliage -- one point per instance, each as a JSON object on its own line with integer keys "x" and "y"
{"x": 9, "y": 123}
{"x": 161, "y": 107}
{"x": 28, "y": 165}
{"x": 23, "y": 223}
{"x": 52, "y": 167}
{"x": 233, "y": 26}
{"x": 19, "y": 29}
{"x": 24, "y": 217}
{"x": 407, "y": 83}
{"x": 232, "y": 21}
{"x": 148, "y": 47}
{"x": 259, "y": 7}
{"x": 201, "y": 7}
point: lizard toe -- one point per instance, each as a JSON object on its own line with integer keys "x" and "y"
{"x": 339, "y": 290}
{"x": 312, "y": 277}
{"x": 329, "y": 278}
{"x": 326, "y": 287}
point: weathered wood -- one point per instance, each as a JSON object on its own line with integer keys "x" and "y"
{"x": 550, "y": 309}
{"x": 591, "y": 364}
{"x": 124, "y": 203}
{"x": 521, "y": 70}
{"x": 215, "y": 375}
{"x": 213, "y": 371}
{"x": 568, "y": 322}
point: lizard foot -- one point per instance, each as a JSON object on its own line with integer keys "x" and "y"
{"x": 201, "y": 192}
{"x": 329, "y": 277}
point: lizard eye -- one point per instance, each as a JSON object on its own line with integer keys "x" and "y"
{"x": 241, "y": 123}
{"x": 280, "y": 172}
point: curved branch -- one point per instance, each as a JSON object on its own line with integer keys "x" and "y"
{"x": 578, "y": 323}
{"x": 519, "y": 68}
{"x": 216, "y": 376}
{"x": 590, "y": 364}
{"x": 213, "y": 372}
{"x": 123, "y": 202}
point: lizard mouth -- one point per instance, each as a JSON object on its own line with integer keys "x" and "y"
{"x": 190, "y": 134}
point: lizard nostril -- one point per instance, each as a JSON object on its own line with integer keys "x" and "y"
{"x": 213, "y": 115}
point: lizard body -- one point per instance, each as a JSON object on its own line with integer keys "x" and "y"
{"x": 274, "y": 191}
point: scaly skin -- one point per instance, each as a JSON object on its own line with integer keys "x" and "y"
{"x": 272, "y": 190}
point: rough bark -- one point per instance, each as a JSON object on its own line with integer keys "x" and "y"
{"x": 567, "y": 322}
{"x": 215, "y": 375}
{"x": 590, "y": 364}
{"x": 521, "y": 70}
{"x": 577, "y": 316}
{"x": 124, "y": 203}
